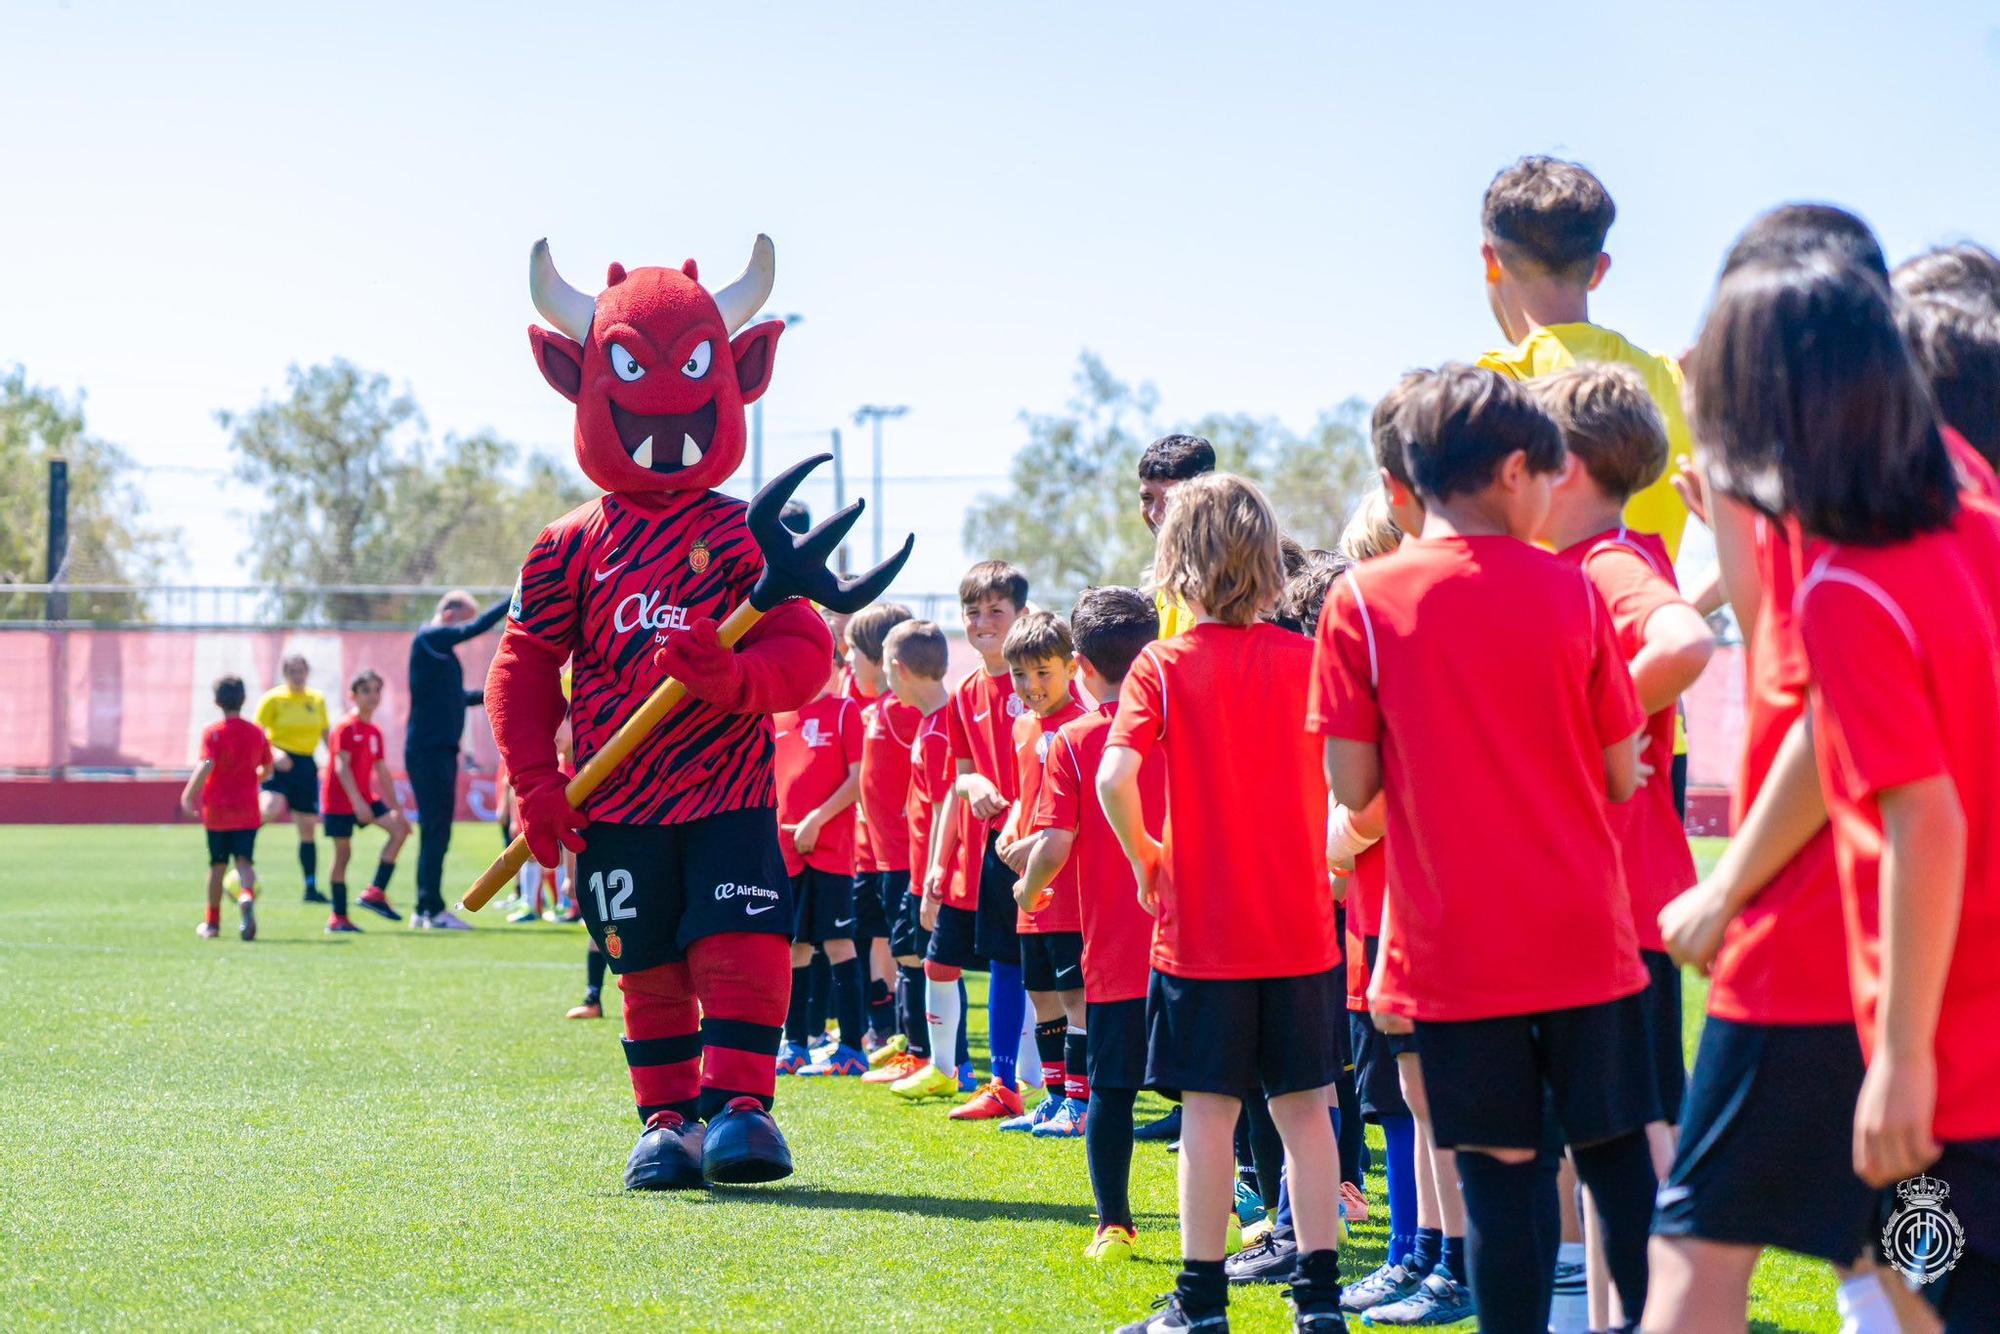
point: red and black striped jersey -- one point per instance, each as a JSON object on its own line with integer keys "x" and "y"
{"x": 608, "y": 583}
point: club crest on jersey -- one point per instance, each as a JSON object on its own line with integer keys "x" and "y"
{"x": 698, "y": 555}
{"x": 1015, "y": 708}
{"x": 813, "y": 734}
{"x": 613, "y": 946}
{"x": 645, "y": 611}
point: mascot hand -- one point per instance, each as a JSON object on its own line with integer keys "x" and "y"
{"x": 548, "y": 821}
{"x": 698, "y": 659}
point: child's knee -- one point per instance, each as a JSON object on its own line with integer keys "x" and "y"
{"x": 942, "y": 972}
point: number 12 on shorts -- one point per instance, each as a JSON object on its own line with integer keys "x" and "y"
{"x": 620, "y": 906}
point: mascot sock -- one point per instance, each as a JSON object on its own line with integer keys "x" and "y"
{"x": 1006, "y": 1006}
{"x": 944, "y": 1011}
{"x": 1076, "y": 1065}
{"x": 916, "y": 1024}
{"x": 1049, "y": 1046}
{"x": 1107, "y": 1144}
{"x": 662, "y": 1039}
{"x": 593, "y": 976}
{"x": 309, "y": 862}
{"x": 740, "y": 980}
{"x": 847, "y": 1007}
{"x": 795, "y": 1012}
{"x": 1399, "y": 1168}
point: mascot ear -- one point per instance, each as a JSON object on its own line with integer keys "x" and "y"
{"x": 753, "y": 350}
{"x": 561, "y": 360}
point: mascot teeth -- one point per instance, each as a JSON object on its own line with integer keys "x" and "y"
{"x": 690, "y": 452}
{"x": 643, "y": 455}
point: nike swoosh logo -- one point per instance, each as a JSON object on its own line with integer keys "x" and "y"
{"x": 981, "y": 717}
{"x": 752, "y": 912}
{"x": 1064, "y": 972}
{"x": 843, "y": 921}
{"x": 601, "y": 575}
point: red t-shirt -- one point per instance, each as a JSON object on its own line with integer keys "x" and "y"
{"x": 979, "y": 720}
{"x": 815, "y": 747}
{"x": 236, "y": 749}
{"x": 930, "y": 779}
{"x": 888, "y": 731}
{"x": 362, "y": 744}
{"x": 1634, "y": 575}
{"x": 1366, "y": 884}
{"x": 1906, "y": 686}
{"x": 1489, "y": 673}
{"x": 1784, "y": 958}
{"x": 1243, "y": 890}
{"x": 1117, "y": 932}
{"x": 1033, "y": 736}
{"x": 1975, "y": 475}
{"x": 864, "y": 842}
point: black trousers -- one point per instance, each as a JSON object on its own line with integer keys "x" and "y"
{"x": 433, "y": 774}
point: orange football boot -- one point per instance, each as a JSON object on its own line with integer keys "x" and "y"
{"x": 995, "y": 1101}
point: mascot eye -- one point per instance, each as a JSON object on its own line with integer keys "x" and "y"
{"x": 696, "y": 365}
{"x": 622, "y": 362}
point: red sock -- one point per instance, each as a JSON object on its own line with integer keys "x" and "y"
{"x": 662, "y": 1039}
{"x": 215, "y": 917}
{"x": 744, "y": 984}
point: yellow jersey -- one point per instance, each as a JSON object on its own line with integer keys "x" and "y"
{"x": 1658, "y": 508}
{"x": 1174, "y": 617}
{"x": 295, "y": 721}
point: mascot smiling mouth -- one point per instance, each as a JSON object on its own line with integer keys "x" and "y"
{"x": 665, "y": 444}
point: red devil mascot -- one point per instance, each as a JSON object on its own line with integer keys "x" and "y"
{"x": 678, "y": 868}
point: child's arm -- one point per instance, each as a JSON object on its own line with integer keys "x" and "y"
{"x": 1677, "y": 646}
{"x": 1621, "y": 768}
{"x": 1118, "y": 793}
{"x": 1790, "y": 809}
{"x": 343, "y": 769}
{"x": 977, "y": 788}
{"x": 805, "y": 834}
{"x": 191, "y": 794}
{"x": 1351, "y": 833}
{"x": 1923, "y": 892}
{"x": 385, "y": 784}
{"x": 1735, "y": 528}
{"x": 1354, "y": 771}
{"x": 1047, "y": 855}
{"x": 944, "y": 837}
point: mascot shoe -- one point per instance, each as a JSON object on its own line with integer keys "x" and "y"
{"x": 744, "y": 1146}
{"x": 668, "y": 1155}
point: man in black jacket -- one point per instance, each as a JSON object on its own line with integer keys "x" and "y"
{"x": 438, "y": 701}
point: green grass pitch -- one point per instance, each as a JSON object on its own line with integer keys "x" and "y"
{"x": 400, "y": 1131}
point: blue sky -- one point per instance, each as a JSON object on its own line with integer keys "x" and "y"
{"x": 1261, "y": 208}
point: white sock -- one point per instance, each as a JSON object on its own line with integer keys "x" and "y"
{"x": 1028, "y": 1064}
{"x": 1864, "y": 1308}
{"x": 941, "y": 1013}
{"x": 531, "y": 886}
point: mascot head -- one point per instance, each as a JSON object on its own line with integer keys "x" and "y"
{"x": 656, "y": 368}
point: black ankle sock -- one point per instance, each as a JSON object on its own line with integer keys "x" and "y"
{"x": 1424, "y": 1254}
{"x": 1619, "y": 1173}
{"x": 882, "y": 1011}
{"x": 1452, "y": 1256}
{"x": 339, "y": 888}
{"x": 1316, "y": 1279}
{"x": 1202, "y": 1286}
{"x": 847, "y": 1007}
{"x": 1107, "y": 1144}
{"x": 1076, "y": 1057}
{"x": 593, "y": 971}
{"x": 1509, "y": 1284}
{"x": 383, "y": 870}
{"x": 795, "y": 1017}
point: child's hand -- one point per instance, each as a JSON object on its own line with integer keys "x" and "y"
{"x": 1645, "y": 770}
{"x": 934, "y": 886}
{"x": 1892, "y": 1118}
{"x": 190, "y": 808}
{"x": 1034, "y": 903}
{"x": 281, "y": 762}
{"x": 984, "y": 798}
{"x": 363, "y": 816}
{"x": 1693, "y": 923}
{"x": 805, "y": 834}
{"x": 1016, "y": 854}
{"x": 927, "y": 913}
{"x": 1693, "y": 491}
{"x": 1387, "y": 1021}
{"x": 1146, "y": 869}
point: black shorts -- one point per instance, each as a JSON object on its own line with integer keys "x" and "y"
{"x": 1485, "y": 1077}
{"x": 342, "y": 826}
{"x": 907, "y": 936}
{"x": 869, "y": 923}
{"x": 1230, "y": 1036}
{"x": 1377, "y": 1082}
{"x": 1116, "y": 1042}
{"x": 953, "y": 941}
{"x": 1052, "y": 961}
{"x": 1663, "y": 1031}
{"x": 298, "y": 785}
{"x": 995, "y": 937}
{"x": 1767, "y": 1142}
{"x": 822, "y": 906}
{"x": 224, "y": 844}
{"x": 650, "y": 891}
{"x": 1679, "y": 774}
{"x": 1967, "y": 1296}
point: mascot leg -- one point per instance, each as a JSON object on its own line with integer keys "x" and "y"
{"x": 744, "y": 983}
{"x": 663, "y": 1051}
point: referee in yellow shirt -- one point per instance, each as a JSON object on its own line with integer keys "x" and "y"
{"x": 293, "y": 716}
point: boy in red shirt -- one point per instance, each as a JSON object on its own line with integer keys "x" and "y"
{"x": 357, "y": 776}
{"x": 1109, "y": 626}
{"x": 222, "y": 793}
{"x": 1039, "y": 654}
{"x": 818, "y": 769}
{"x": 915, "y": 656}
{"x": 882, "y": 842}
{"x": 965, "y": 872}
{"x": 1421, "y": 656}
{"x": 1897, "y": 616}
{"x": 1246, "y": 987}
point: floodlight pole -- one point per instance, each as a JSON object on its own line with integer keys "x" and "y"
{"x": 873, "y": 414}
{"x": 757, "y": 414}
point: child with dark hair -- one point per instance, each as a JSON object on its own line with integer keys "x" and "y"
{"x": 1896, "y": 617}
{"x": 1421, "y": 654}
{"x": 1165, "y": 464}
{"x": 222, "y": 794}
{"x": 357, "y": 780}
{"x": 1966, "y": 270}
{"x": 881, "y": 837}
{"x": 1956, "y": 344}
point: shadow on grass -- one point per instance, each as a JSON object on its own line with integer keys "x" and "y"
{"x": 929, "y": 1206}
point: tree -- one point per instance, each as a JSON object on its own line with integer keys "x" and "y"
{"x": 1071, "y": 518}
{"x": 109, "y": 542}
{"x": 358, "y": 495}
